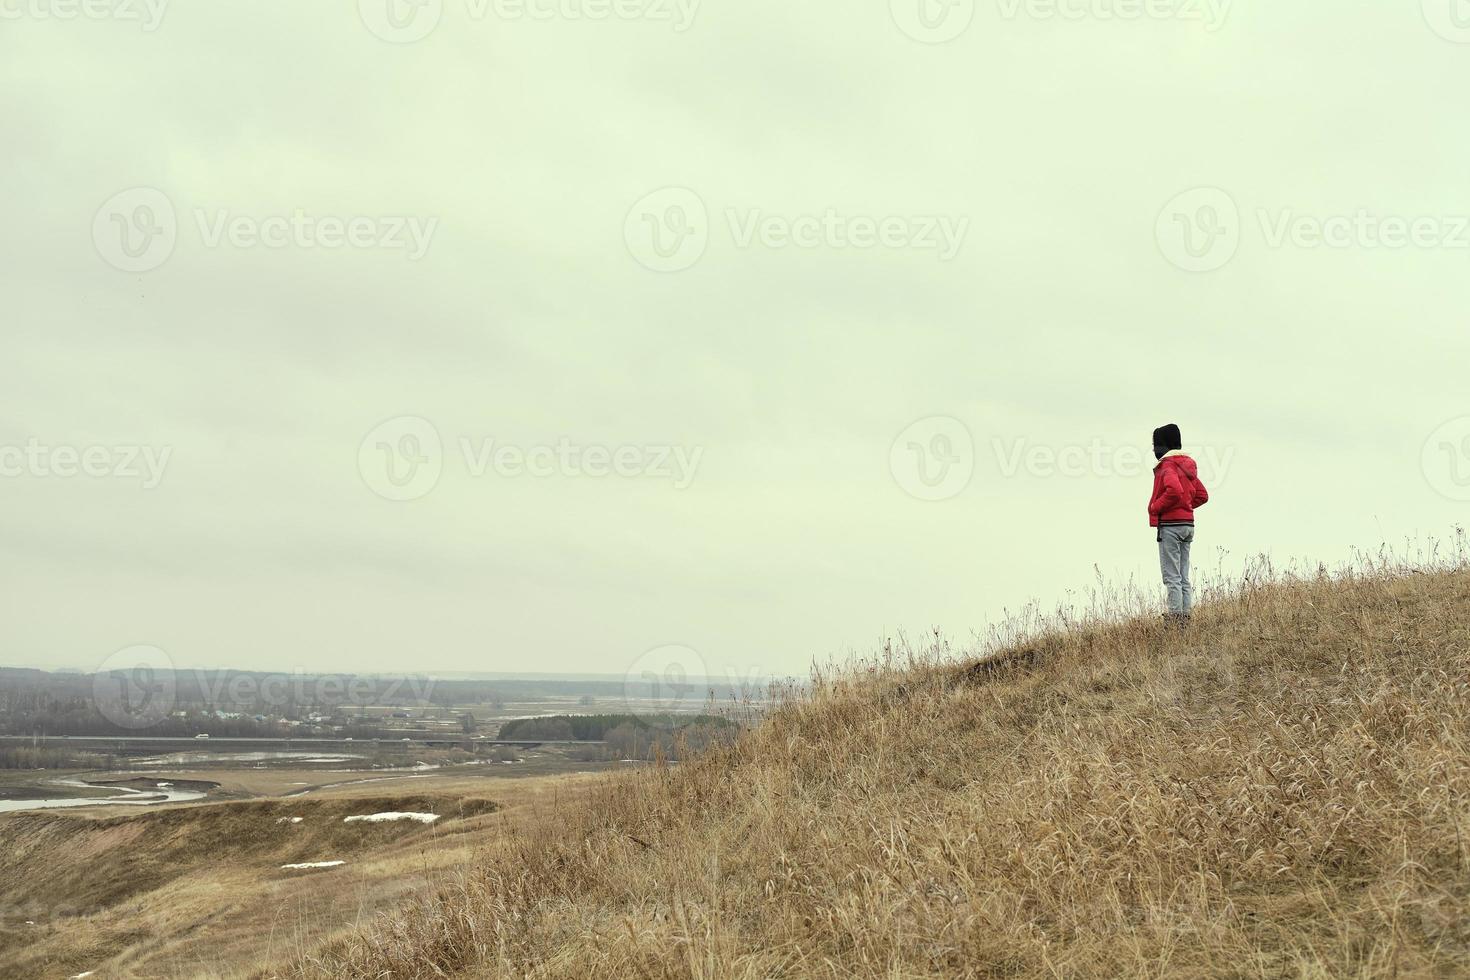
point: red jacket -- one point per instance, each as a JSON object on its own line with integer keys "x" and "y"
{"x": 1177, "y": 491}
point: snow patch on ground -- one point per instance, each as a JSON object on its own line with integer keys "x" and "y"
{"x": 391, "y": 816}
{"x": 311, "y": 864}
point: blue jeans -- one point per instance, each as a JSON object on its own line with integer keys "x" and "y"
{"x": 1174, "y": 542}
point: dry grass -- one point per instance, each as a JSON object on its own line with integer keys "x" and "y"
{"x": 1283, "y": 791}
{"x": 198, "y": 890}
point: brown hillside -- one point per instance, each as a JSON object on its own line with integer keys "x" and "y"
{"x": 161, "y": 893}
{"x": 1284, "y": 790}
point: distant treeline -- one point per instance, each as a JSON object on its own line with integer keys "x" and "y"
{"x": 219, "y": 703}
{"x": 91, "y": 723}
{"x": 27, "y": 757}
{"x": 44, "y": 693}
{"x": 594, "y": 728}
{"x": 247, "y": 692}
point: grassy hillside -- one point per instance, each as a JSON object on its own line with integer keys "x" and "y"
{"x": 1282, "y": 791}
{"x": 192, "y": 891}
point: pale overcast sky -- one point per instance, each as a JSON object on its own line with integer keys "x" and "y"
{"x": 824, "y": 289}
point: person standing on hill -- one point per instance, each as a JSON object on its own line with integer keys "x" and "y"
{"x": 1177, "y": 492}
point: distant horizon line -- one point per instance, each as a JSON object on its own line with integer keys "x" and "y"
{"x": 437, "y": 675}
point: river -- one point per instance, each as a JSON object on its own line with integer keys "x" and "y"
{"x": 127, "y": 796}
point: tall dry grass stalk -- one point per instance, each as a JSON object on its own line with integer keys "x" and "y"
{"x": 1282, "y": 791}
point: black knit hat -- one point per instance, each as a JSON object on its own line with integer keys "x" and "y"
{"x": 1167, "y": 437}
